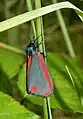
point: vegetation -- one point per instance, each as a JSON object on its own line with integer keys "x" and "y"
{"x": 63, "y": 34}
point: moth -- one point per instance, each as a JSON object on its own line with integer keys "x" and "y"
{"x": 38, "y": 79}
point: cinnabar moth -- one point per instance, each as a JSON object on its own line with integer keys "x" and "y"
{"x": 38, "y": 79}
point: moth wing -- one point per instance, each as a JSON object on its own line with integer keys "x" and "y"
{"x": 39, "y": 81}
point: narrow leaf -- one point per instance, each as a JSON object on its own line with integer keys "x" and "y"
{"x": 15, "y": 21}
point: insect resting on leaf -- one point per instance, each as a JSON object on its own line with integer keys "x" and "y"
{"x": 38, "y": 79}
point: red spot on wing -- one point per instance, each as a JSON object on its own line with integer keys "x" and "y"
{"x": 42, "y": 64}
{"x": 46, "y": 93}
{"x": 33, "y": 89}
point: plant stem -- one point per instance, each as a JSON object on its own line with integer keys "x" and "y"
{"x": 39, "y": 27}
{"x": 65, "y": 32}
{"x": 11, "y": 48}
{"x": 29, "y": 6}
{"x": 45, "y": 109}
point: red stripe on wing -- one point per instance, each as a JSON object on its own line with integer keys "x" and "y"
{"x": 42, "y": 64}
{"x": 29, "y": 61}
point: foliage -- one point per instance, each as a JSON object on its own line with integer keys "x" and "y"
{"x": 9, "y": 108}
{"x": 67, "y": 95}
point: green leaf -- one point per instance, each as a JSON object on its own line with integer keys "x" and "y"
{"x": 11, "y": 109}
{"x": 65, "y": 90}
{"x": 5, "y": 85}
{"x": 10, "y": 62}
{"x": 15, "y": 21}
{"x": 65, "y": 94}
{"x": 22, "y": 80}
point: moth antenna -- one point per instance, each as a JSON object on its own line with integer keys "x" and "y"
{"x": 37, "y": 37}
{"x": 29, "y": 38}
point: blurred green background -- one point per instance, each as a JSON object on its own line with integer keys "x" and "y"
{"x": 54, "y": 43}
{"x": 53, "y": 35}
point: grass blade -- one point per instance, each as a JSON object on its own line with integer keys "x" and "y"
{"x": 65, "y": 32}
{"x": 75, "y": 85}
{"x": 11, "y": 48}
{"x": 15, "y": 21}
{"x": 29, "y": 6}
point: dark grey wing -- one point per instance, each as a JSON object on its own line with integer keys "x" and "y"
{"x": 36, "y": 82}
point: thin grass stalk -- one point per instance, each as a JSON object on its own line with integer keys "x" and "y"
{"x": 29, "y": 6}
{"x": 65, "y": 32}
{"x": 11, "y": 48}
{"x": 39, "y": 27}
{"x": 47, "y": 100}
{"x": 78, "y": 88}
{"x": 39, "y": 32}
{"x": 49, "y": 108}
{"x": 45, "y": 108}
